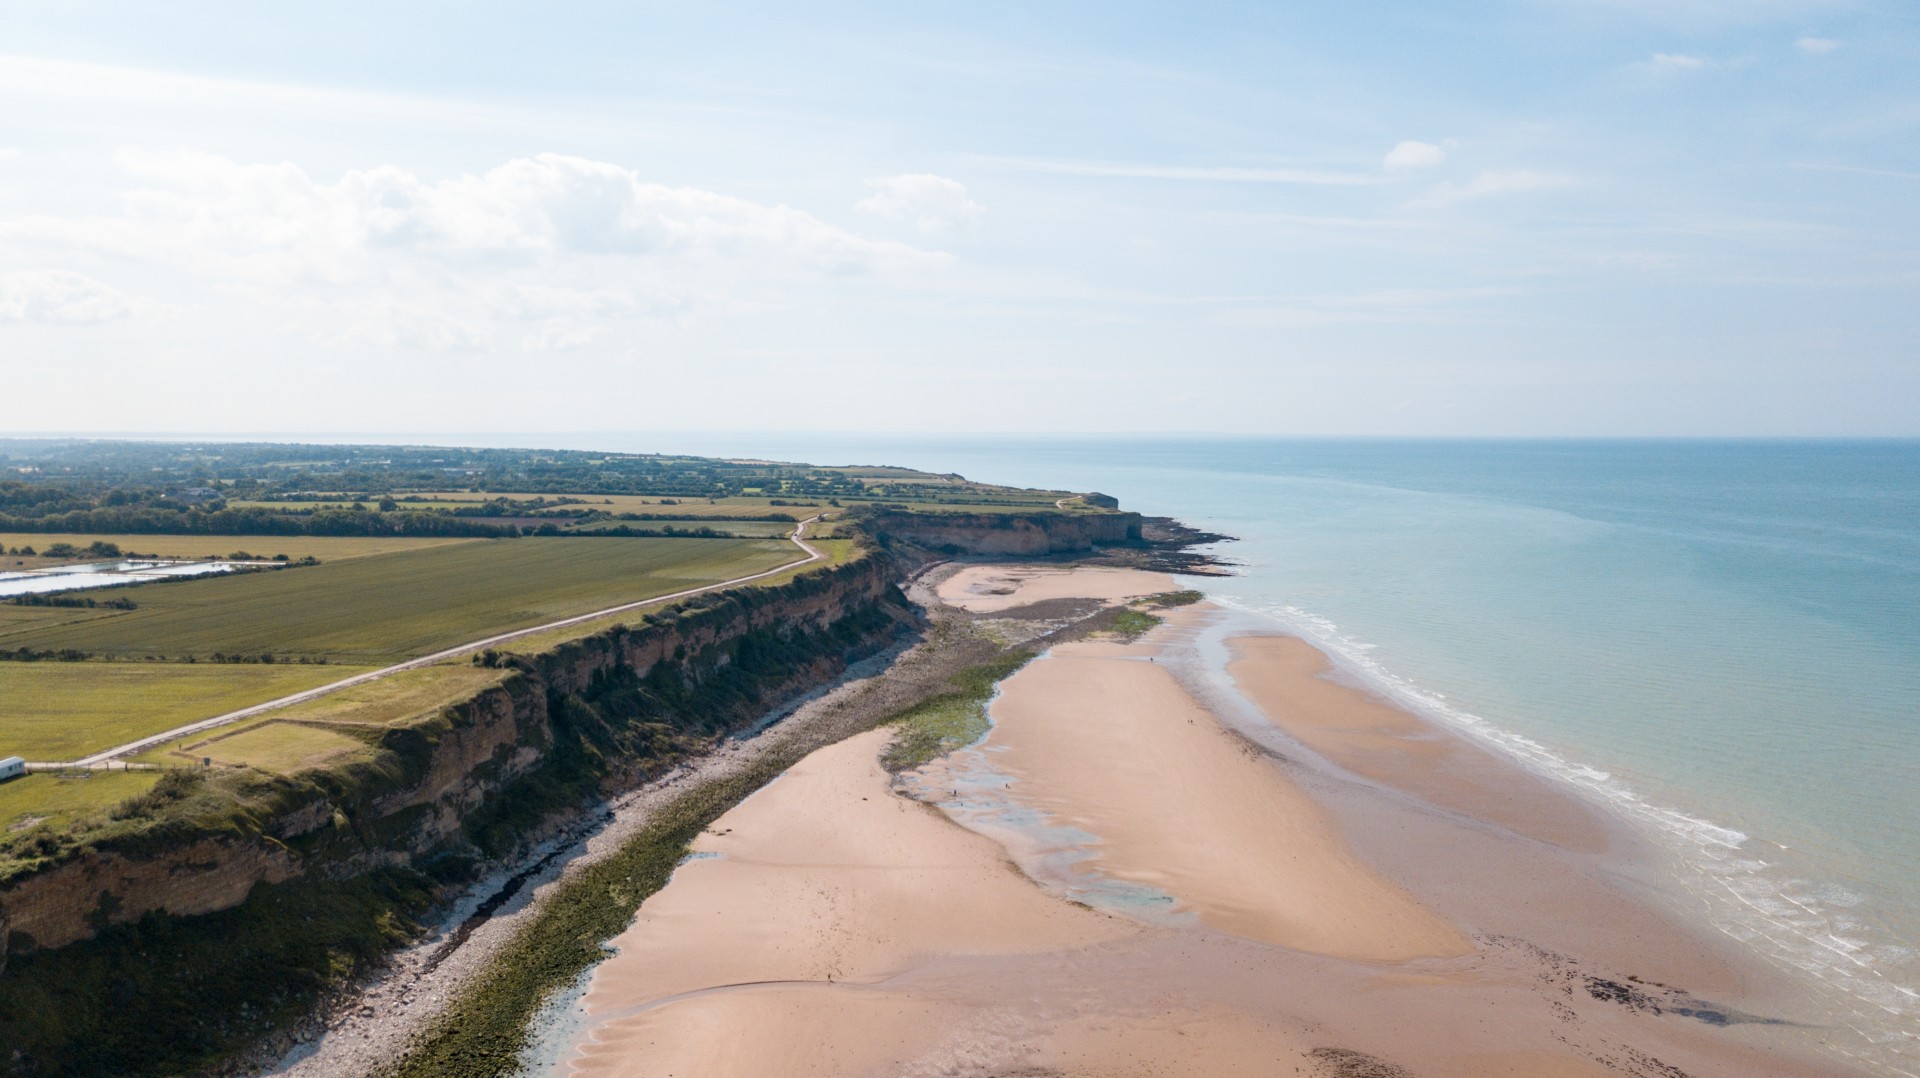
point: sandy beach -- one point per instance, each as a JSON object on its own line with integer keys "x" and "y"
{"x": 1122, "y": 879}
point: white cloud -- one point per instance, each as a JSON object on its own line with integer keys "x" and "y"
{"x": 1411, "y": 153}
{"x": 1492, "y": 184}
{"x": 1858, "y": 170}
{"x": 1816, "y": 44}
{"x": 60, "y": 296}
{"x": 526, "y": 209}
{"x": 931, "y": 202}
{"x": 540, "y": 252}
{"x": 1674, "y": 61}
{"x": 1205, "y": 174}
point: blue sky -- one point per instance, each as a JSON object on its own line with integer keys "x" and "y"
{"x": 1533, "y": 217}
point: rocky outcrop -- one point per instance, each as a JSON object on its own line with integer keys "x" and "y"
{"x": 1023, "y": 535}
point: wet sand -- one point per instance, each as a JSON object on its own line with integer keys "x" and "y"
{"x": 1097, "y": 736}
{"x": 986, "y": 589}
{"x": 1291, "y": 682}
{"x": 1407, "y": 911}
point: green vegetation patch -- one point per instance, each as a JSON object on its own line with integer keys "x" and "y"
{"x": 838, "y": 552}
{"x": 1168, "y": 599}
{"x": 283, "y": 747}
{"x": 397, "y": 697}
{"x": 63, "y": 711}
{"x": 953, "y": 719}
{"x": 195, "y": 982}
{"x": 1130, "y": 624}
{"x": 378, "y": 610}
{"x": 54, "y": 799}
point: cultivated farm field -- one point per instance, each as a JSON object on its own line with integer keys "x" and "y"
{"x": 63, "y": 711}
{"x": 382, "y": 609}
{"x": 322, "y": 547}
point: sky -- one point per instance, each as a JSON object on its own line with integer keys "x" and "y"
{"x": 1487, "y": 217}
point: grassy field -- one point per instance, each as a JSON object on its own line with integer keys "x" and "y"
{"x": 605, "y": 503}
{"x": 283, "y": 747}
{"x": 838, "y": 551}
{"x": 378, "y": 610}
{"x": 323, "y": 547}
{"x": 57, "y": 798}
{"x": 756, "y": 529}
{"x": 63, "y": 711}
{"x": 395, "y": 698}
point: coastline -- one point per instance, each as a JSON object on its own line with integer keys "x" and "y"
{"x": 1248, "y": 863}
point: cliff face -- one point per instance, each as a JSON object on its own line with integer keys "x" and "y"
{"x": 72, "y": 902}
{"x": 476, "y": 759}
{"x": 1009, "y": 534}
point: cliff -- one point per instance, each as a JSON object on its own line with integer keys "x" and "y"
{"x": 1008, "y": 534}
{"x": 476, "y": 778}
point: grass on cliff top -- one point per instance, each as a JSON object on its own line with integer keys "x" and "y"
{"x": 54, "y": 799}
{"x": 382, "y": 609}
{"x": 283, "y": 747}
{"x": 63, "y": 711}
{"x": 122, "y": 804}
{"x": 402, "y": 697}
{"x": 838, "y": 552}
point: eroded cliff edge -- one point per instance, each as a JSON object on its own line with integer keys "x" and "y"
{"x": 242, "y": 897}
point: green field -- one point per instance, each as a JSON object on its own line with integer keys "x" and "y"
{"x": 378, "y": 610}
{"x": 63, "y": 711}
{"x": 395, "y": 698}
{"x": 606, "y": 503}
{"x": 837, "y": 551}
{"x": 283, "y": 747}
{"x": 323, "y": 547}
{"x": 57, "y": 798}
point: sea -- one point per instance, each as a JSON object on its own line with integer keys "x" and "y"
{"x": 1717, "y": 640}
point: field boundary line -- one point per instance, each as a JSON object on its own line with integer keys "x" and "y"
{"x": 798, "y": 538}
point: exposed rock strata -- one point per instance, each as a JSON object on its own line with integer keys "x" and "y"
{"x": 432, "y": 779}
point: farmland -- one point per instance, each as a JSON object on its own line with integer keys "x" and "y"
{"x": 379, "y": 610}
{"x": 744, "y": 506}
{"x": 321, "y": 547}
{"x": 63, "y": 711}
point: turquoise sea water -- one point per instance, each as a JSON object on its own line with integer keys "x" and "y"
{"x": 1718, "y": 640}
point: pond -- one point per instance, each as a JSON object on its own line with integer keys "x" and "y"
{"x": 107, "y": 574}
